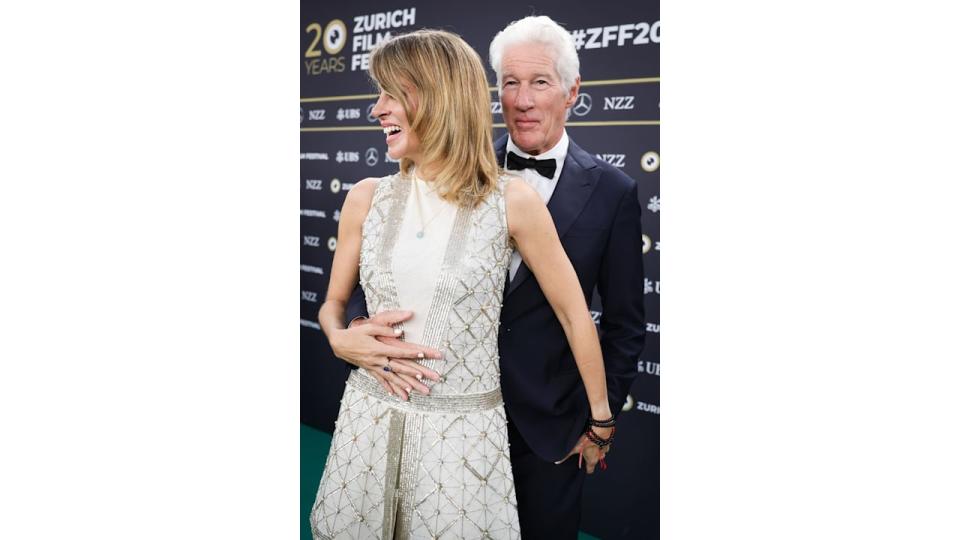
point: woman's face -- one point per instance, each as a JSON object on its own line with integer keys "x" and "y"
{"x": 402, "y": 142}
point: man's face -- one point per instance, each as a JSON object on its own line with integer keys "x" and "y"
{"x": 533, "y": 98}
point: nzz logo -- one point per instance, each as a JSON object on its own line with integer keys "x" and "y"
{"x": 617, "y": 160}
{"x": 618, "y": 103}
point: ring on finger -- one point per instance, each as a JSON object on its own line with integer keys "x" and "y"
{"x": 386, "y": 367}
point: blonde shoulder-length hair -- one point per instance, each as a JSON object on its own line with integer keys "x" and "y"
{"x": 452, "y": 116}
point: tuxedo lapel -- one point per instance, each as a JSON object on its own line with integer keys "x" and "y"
{"x": 577, "y": 181}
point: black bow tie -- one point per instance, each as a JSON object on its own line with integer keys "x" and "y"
{"x": 545, "y": 167}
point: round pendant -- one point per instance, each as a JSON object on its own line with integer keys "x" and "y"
{"x": 419, "y": 234}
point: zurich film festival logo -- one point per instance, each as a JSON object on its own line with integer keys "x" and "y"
{"x": 371, "y": 157}
{"x": 618, "y": 35}
{"x": 650, "y": 161}
{"x": 330, "y": 39}
{"x": 632, "y": 403}
{"x": 370, "y": 29}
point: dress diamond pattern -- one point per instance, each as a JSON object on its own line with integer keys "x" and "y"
{"x": 437, "y": 466}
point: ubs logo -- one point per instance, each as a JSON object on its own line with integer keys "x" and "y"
{"x": 651, "y": 286}
{"x": 332, "y": 39}
{"x": 370, "y": 116}
{"x": 372, "y": 156}
{"x": 583, "y": 104}
{"x": 650, "y": 368}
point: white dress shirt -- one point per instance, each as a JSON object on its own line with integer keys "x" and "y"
{"x": 544, "y": 186}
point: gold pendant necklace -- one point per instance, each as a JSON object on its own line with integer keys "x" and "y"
{"x": 423, "y": 226}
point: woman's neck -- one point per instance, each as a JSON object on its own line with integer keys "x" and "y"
{"x": 427, "y": 173}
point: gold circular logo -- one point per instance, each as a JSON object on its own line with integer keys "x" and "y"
{"x": 332, "y": 243}
{"x": 334, "y": 36}
{"x": 335, "y": 186}
{"x": 647, "y": 243}
{"x": 650, "y": 161}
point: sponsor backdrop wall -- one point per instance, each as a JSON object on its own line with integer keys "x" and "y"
{"x": 616, "y": 118}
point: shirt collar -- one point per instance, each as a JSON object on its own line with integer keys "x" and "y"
{"x": 558, "y": 152}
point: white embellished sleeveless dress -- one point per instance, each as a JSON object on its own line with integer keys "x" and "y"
{"x": 437, "y": 466}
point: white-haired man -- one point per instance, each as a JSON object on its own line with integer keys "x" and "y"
{"x": 597, "y": 213}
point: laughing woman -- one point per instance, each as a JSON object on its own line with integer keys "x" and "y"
{"x": 436, "y": 238}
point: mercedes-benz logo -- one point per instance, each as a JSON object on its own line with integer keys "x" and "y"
{"x": 370, "y": 116}
{"x": 583, "y": 104}
{"x": 372, "y": 156}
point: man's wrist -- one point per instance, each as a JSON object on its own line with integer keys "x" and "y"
{"x": 601, "y": 412}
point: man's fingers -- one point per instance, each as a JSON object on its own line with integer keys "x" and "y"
{"x": 408, "y": 354}
{"x": 410, "y": 384}
{"x": 394, "y": 342}
{"x": 397, "y": 388}
{"x": 383, "y": 381}
{"x": 591, "y": 456}
{"x": 413, "y": 369}
{"x": 379, "y": 330}
{"x": 388, "y": 318}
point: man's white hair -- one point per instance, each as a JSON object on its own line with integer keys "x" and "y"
{"x": 540, "y": 29}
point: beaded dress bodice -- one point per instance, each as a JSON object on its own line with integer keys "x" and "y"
{"x": 464, "y": 315}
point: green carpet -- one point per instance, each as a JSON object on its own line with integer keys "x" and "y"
{"x": 314, "y": 446}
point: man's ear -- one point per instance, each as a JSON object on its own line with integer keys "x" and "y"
{"x": 574, "y": 90}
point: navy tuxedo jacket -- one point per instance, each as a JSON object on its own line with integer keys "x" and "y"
{"x": 597, "y": 215}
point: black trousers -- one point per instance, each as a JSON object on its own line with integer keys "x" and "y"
{"x": 548, "y": 495}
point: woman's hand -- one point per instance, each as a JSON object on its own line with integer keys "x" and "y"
{"x": 373, "y": 344}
